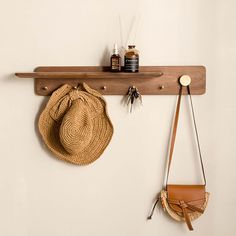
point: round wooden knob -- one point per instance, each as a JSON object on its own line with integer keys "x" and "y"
{"x": 185, "y": 80}
{"x": 104, "y": 87}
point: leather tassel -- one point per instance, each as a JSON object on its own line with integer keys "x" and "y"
{"x": 152, "y": 211}
{"x": 187, "y": 219}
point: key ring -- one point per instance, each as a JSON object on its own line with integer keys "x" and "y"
{"x": 132, "y": 96}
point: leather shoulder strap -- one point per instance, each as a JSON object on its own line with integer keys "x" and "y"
{"x": 174, "y": 131}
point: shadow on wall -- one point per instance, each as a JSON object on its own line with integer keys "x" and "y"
{"x": 8, "y": 78}
{"x": 105, "y": 59}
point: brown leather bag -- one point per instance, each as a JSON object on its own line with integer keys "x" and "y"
{"x": 183, "y": 202}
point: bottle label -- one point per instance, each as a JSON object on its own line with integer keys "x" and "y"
{"x": 115, "y": 63}
{"x": 131, "y": 64}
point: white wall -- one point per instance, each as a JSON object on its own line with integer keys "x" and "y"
{"x": 40, "y": 195}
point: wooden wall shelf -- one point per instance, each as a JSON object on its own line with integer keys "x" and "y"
{"x": 150, "y": 80}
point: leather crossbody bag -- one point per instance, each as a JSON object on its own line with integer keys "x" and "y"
{"x": 183, "y": 202}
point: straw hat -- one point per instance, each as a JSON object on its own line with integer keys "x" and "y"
{"x": 75, "y": 125}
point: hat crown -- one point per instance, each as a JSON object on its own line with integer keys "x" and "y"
{"x": 76, "y": 128}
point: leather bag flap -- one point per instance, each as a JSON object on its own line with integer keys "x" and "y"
{"x": 186, "y": 192}
{"x": 189, "y": 194}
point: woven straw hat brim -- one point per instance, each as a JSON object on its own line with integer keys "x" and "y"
{"x": 102, "y": 132}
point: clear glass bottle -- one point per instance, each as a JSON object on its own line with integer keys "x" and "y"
{"x": 131, "y": 59}
{"x": 115, "y": 60}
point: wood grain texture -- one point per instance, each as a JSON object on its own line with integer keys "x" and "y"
{"x": 150, "y": 80}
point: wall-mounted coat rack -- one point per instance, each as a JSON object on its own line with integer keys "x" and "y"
{"x": 150, "y": 80}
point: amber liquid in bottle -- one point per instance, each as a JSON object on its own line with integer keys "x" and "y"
{"x": 115, "y": 60}
{"x": 132, "y": 59}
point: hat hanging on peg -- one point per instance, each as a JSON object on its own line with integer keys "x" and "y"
{"x": 78, "y": 86}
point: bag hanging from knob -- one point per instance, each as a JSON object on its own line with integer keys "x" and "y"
{"x": 183, "y": 202}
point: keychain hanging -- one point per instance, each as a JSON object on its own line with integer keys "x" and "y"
{"x": 132, "y": 96}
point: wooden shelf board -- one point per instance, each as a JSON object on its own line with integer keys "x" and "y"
{"x": 150, "y": 80}
{"x": 92, "y": 75}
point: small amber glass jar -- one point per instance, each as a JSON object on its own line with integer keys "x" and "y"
{"x": 131, "y": 59}
{"x": 115, "y": 63}
{"x": 115, "y": 60}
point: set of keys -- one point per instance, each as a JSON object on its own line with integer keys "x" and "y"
{"x": 133, "y": 95}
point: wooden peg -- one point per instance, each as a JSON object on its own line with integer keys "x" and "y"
{"x": 45, "y": 88}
